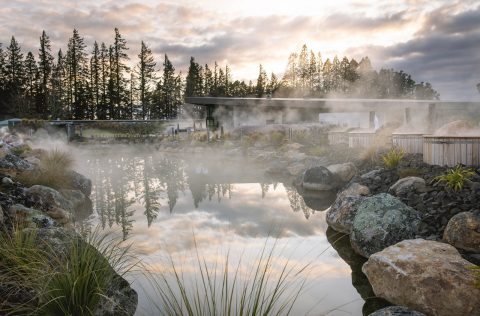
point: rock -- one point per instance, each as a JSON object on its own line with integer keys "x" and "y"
{"x": 341, "y": 214}
{"x": 81, "y": 182}
{"x": 381, "y": 221}
{"x": 319, "y": 178}
{"x": 276, "y": 167}
{"x": 427, "y": 276}
{"x": 76, "y": 197}
{"x": 293, "y": 146}
{"x": 1, "y": 216}
{"x": 46, "y": 198}
{"x": 396, "y": 311}
{"x": 28, "y": 216}
{"x": 354, "y": 189}
{"x": 32, "y": 160}
{"x": 371, "y": 174}
{"x": 345, "y": 171}
{"x": 120, "y": 300}
{"x": 11, "y": 161}
{"x": 463, "y": 231}
{"x": 7, "y": 181}
{"x": 408, "y": 184}
{"x": 61, "y": 216}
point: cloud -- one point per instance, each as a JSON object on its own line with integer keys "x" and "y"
{"x": 432, "y": 40}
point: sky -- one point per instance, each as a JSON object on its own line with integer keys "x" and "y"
{"x": 436, "y": 41}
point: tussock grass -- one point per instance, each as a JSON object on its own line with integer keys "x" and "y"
{"x": 70, "y": 282}
{"x": 52, "y": 171}
{"x": 393, "y": 157}
{"x": 476, "y": 273}
{"x": 455, "y": 178}
{"x": 224, "y": 289}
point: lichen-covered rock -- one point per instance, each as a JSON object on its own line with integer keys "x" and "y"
{"x": 1, "y": 216}
{"x": 76, "y": 197}
{"x": 354, "y": 189}
{"x": 424, "y": 275}
{"x": 381, "y": 221}
{"x": 46, "y": 198}
{"x": 396, "y": 311}
{"x": 345, "y": 171}
{"x": 319, "y": 178}
{"x": 11, "y": 161}
{"x": 295, "y": 168}
{"x": 120, "y": 300}
{"x": 6, "y": 181}
{"x": 80, "y": 182}
{"x": 408, "y": 184}
{"x": 29, "y": 217}
{"x": 463, "y": 231}
{"x": 341, "y": 214}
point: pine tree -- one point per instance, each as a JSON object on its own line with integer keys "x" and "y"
{"x": 95, "y": 80}
{"x": 119, "y": 83}
{"x": 102, "y": 109}
{"x": 208, "y": 81}
{"x": 31, "y": 76}
{"x": 3, "y": 79}
{"x": 145, "y": 71}
{"x": 56, "y": 105}
{"x": 45, "y": 64}
{"x": 262, "y": 82}
{"x": 15, "y": 78}
{"x": 303, "y": 69}
{"x": 312, "y": 71}
{"x": 76, "y": 78}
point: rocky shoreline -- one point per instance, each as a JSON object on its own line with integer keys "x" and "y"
{"x": 52, "y": 214}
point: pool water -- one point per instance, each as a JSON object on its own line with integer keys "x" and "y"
{"x": 169, "y": 206}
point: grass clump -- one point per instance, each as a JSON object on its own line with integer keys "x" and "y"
{"x": 476, "y": 273}
{"x": 59, "y": 281}
{"x": 318, "y": 150}
{"x": 19, "y": 150}
{"x": 226, "y": 289}
{"x": 393, "y": 157}
{"x": 277, "y": 138}
{"x": 52, "y": 171}
{"x": 455, "y": 178}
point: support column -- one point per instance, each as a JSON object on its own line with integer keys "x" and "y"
{"x": 371, "y": 120}
{"x": 431, "y": 117}
{"x": 408, "y": 117}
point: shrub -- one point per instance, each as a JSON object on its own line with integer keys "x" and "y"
{"x": 277, "y": 138}
{"x": 370, "y": 154}
{"x": 393, "y": 157}
{"x": 19, "y": 150}
{"x": 70, "y": 282}
{"x": 52, "y": 171}
{"x": 455, "y": 178}
{"x": 318, "y": 150}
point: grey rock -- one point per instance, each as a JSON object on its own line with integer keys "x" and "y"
{"x": 28, "y": 216}
{"x": 341, "y": 214}
{"x": 381, "y": 221}
{"x": 76, "y": 197}
{"x": 408, "y": 184}
{"x": 345, "y": 171}
{"x": 7, "y": 181}
{"x": 396, "y": 311}
{"x": 319, "y": 178}
{"x": 296, "y": 168}
{"x": 371, "y": 175}
{"x": 428, "y": 276}
{"x": 1, "y": 216}
{"x": 11, "y": 161}
{"x": 46, "y": 198}
{"x": 463, "y": 231}
{"x": 81, "y": 182}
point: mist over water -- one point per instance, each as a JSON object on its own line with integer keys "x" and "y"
{"x": 159, "y": 201}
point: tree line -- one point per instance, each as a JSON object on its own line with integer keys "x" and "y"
{"x": 99, "y": 84}
{"x": 307, "y": 75}
{"x": 87, "y": 85}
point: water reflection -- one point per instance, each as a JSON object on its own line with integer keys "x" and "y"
{"x": 157, "y": 181}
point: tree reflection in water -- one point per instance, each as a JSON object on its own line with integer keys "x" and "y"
{"x": 154, "y": 181}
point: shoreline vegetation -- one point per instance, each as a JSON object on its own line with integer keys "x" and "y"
{"x": 412, "y": 210}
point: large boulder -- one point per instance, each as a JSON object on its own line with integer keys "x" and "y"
{"x": 1, "y": 216}
{"x": 408, "y": 184}
{"x": 319, "y": 179}
{"x": 424, "y": 275}
{"x": 341, "y": 214}
{"x": 80, "y": 182}
{"x": 345, "y": 171}
{"x": 396, "y": 311}
{"x": 463, "y": 231}
{"x": 381, "y": 221}
{"x": 46, "y": 198}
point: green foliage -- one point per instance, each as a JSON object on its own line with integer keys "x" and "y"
{"x": 476, "y": 272}
{"x": 68, "y": 282}
{"x": 455, "y": 178}
{"x": 52, "y": 171}
{"x": 19, "y": 150}
{"x": 392, "y": 158}
{"x": 277, "y": 138}
{"x": 223, "y": 289}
